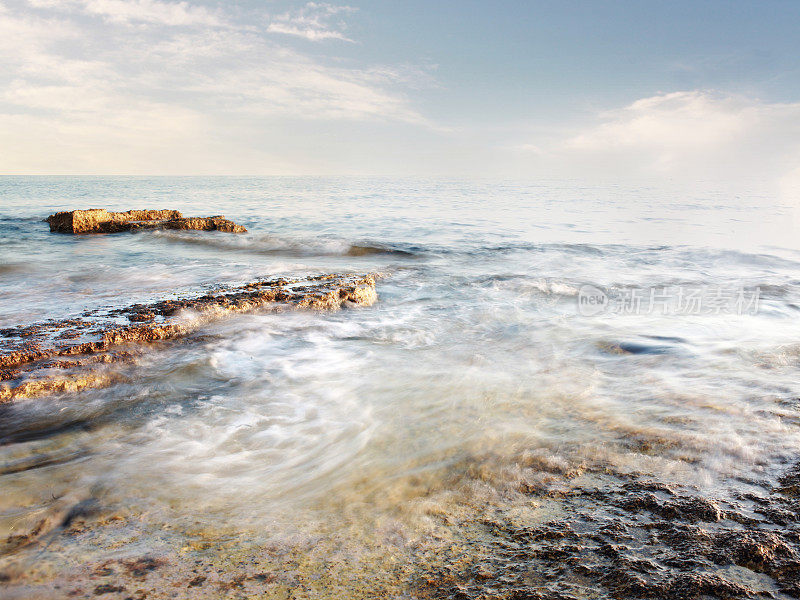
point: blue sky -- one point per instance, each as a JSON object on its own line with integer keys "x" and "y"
{"x": 562, "y": 57}
{"x": 616, "y": 90}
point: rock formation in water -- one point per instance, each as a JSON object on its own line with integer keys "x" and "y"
{"x": 100, "y": 220}
{"x": 70, "y": 354}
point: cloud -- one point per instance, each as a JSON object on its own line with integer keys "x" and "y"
{"x": 153, "y": 86}
{"x": 314, "y": 22}
{"x": 685, "y": 136}
{"x": 80, "y": 95}
{"x": 694, "y": 131}
{"x": 137, "y": 11}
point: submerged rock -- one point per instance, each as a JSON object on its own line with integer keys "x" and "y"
{"x": 100, "y": 220}
{"x": 74, "y": 354}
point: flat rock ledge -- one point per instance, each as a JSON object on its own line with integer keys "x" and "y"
{"x": 73, "y": 354}
{"x": 100, "y": 220}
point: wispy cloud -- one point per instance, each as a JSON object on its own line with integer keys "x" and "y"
{"x": 137, "y": 11}
{"x": 672, "y": 124}
{"x": 314, "y": 21}
{"x": 81, "y": 95}
{"x": 693, "y": 135}
{"x": 696, "y": 132}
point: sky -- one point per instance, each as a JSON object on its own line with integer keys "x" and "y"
{"x": 612, "y": 90}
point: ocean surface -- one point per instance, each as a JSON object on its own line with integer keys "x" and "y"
{"x": 356, "y": 449}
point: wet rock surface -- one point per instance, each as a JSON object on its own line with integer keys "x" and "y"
{"x": 73, "y": 354}
{"x": 631, "y": 538}
{"x": 608, "y": 535}
{"x": 98, "y": 220}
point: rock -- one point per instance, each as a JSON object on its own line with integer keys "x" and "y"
{"x": 40, "y": 359}
{"x": 107, "y": 588}
{"x": 100, "y": 220}
{"x": 218, "y": 223}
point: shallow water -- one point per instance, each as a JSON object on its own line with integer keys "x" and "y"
{"x": 371, "y": 436}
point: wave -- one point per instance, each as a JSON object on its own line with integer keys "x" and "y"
{"x": 367, "y": 250}
{"x": 304, "y": 246}
{"x": 522, "y": 285}
{"x": 290, "y": 246}
{"x": 675, "y": 255}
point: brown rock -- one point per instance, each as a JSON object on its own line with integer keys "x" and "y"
{"x": 100, "y": 220}
{"x": 149, "y": 215}
{"x": 58, "y": 364}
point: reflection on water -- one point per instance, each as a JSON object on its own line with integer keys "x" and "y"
{"x": 375, "y": 441}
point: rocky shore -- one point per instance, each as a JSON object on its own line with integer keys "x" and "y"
{"x": 470, "y": 440}
{"x": 558, "y": 533}
{"x": 70, "y": 354}
{"x": 99, "y": 220}
{"x": 628, "y": 537}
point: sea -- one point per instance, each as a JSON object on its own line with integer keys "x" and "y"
{"x": 540, "y": 353}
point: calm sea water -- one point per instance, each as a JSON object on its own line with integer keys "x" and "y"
{"x": 289, "y": 424}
